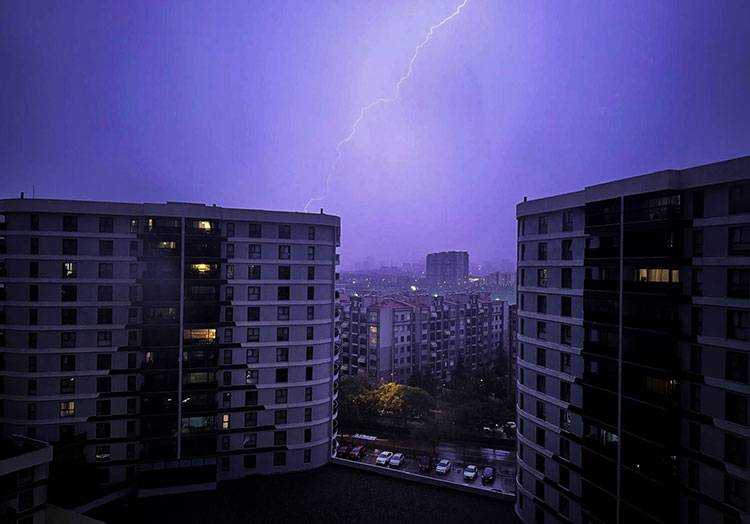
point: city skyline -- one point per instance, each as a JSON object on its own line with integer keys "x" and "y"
{"x": 221, "y": 106}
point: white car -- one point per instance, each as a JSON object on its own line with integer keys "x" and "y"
{"x": 397, "y": 460}
{"x": 443, "y": 467}
{"x": 383, "y": 458}
{"x": 470, "y": 472}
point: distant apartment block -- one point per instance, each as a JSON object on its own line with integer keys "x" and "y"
{"x": 393, "y": 338}
{"x": 634, "y": 322}
{"x": 500, "y": 278}
{"x": 447, "y": 267}
{"x": 165, "y": 345}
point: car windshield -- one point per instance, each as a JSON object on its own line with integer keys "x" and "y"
{"x": 443, "y": 463}
{"x": 471, "y": 469}
{"x": 488, "y": 471}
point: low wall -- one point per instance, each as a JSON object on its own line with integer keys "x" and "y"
{"x": 414, "y": 477}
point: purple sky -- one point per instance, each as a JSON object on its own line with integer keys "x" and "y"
{"x": 242, "y": 104}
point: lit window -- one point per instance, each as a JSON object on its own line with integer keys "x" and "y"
{"x": 200, "y": 336}
{"x": 659, "y": 275}
{"x": 201, "y": 268}
{"x": 203, "y": 225}
{"x": 225, "y": 422}
{"x": 68, "y": 408}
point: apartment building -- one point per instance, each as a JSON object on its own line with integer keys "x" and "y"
{"x": 634, "y": 314}
{"x": 24, "y": 470}
{"x": 448, "y": 268}
{"x": 392, "y": 338}
{"x": 164, "y": 345}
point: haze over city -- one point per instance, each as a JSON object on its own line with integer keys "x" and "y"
{"x": 242, "y": 104}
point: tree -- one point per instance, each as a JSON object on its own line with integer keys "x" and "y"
{"x": 403, "y": 401}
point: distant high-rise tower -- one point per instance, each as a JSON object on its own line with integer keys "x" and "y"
{"x": 448, "y": 267}
{"x": 633, "y": 345}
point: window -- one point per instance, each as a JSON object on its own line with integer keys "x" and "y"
{"x": 310, "y": 272}
{"x": 541, "y": 383}
{"x": 285, "y": 252}
{"x": 310, "y": 232}
{"x": 310, "y": 335}
{"x": 253, "y": 334}
{"x": 567, "y": 221}
{"x": 307, "y": 455}
{"x": 280, "y": 416}
{"x": 739, "y": 241}
{"x": 229, "y": 314}
{"x": 251, "y": 356}
{"x": 738, "y": 324}
{"x": 285, "y": 231}
{"x": 541, "y": 357}
{"x": 282, "y": 334}
{"x": 308, "y": 414}
{"x": 739, "y": 198}
{"x": 255, "y": 230}
{"x": 251, "y": 376}
{"x": 735, "y": 408}
{"x": 250, "y": 440}
{"x": 67, "y": 385}
{"x": 541, "y": 304}
{"x": 282, "y": 354}
{"x": 282, "y": 375}
{"x": 566, "y": 277}
{"x": 310, "y": 292}
{"x": 696, "y": 321}
{"x": 565, "y": 334}
{"x": 694, "y": 436}
{"x": 230, "y": 250}
{"x": 695, "y": 359}
{"x": 567, "y": 249}
{"x": 279, "y": 438}
{"x": 310, "y": 312}
{"x": 69, "y": 270}
{"x": 253, "y": 314}
{"x": 134, "y": 225}
{"x": 230, "y": 271}
{"x": 68, "y": 408}
{"x": 69, "y": 246}
{"x": 565, "y": 306}
{"x": 104, "y": 316}
{"x": 34, "y": 246}
{"x": 310, "y": 252}
{"x": 565, "y": 391}
{"x": 68, "y": 339}
{"x": 735, "y": 450}
{"x": 253, "y": 293}
{"x": 542, "y": 277}
{"x": 282, "y": 313}
{"x": 695, "y": 397}
{"x": 104, "y": 293}
{"x": 564, "y": 448}
{"x": 736, "y": 366}
{"x": 541, "y": 251}
{"x": 253, "y": 272}
{"x": 106, "y": 248}
{"x": 308, "y": 434}
{"x": 697, "y": 282}
{"x": 285, "y": 273}
{"x": 308, "y": 394}
{"x": 542, "y": 225}
{"x": 308, "y": 373}
{"x": 662, "y": 275}
{"x": 282, "y": 293}
{"x": 309, "y": 353}
{"x": 34, "y": 222}
{"x": 541, "y": 330}
{"x": 68, "y": 316}
{"x": 251, "y": 398}
{"x": 105, "y": 270}
{"x": 738, "y": 283}
{"x": 282, "y": 396}
{"x": 228, "y": 335}
{"x": 104, "y": 339}
{"x": 103, "y": 384}
{"x": 279, "y": 458}
{"x": 254, "y": 251}
{"x": 251, "y": 419}
{"x": 106, "y": 224}
{"x": 230, "y": 229}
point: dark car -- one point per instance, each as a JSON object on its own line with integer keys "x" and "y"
{"x": 357, "y": 452}
{"x": 343, "y": 451}
{"x": 488, "y": 475}
{"x": 425, "y": 464}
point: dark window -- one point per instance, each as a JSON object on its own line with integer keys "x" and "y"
{"x": 68, "y": 339}
{"x": 565, "y": 334}
{"x": 736, "y": 366}
{"x": 104, "y": 316}
{"x": 282, "y": 293}
{"x": 736, "y": 408}
{"x": 698, "y": 243}
{"x": 542, "y": 277}
{"x": 230, "y": 229}
{"x": 104, "y": 293}
{"x": 541, "y": 304}
{"x": 735, "y": 450}
{"x": 253, "y": 292}
{"x": 310, "y": 232}
{"x": 105, "y": 270}
{"x": 280, "y": 416}
{"x": 254, "y": 251}
{"x": 695, "y": 359}
{"x": 251, "y": 419}
{"x": 738, "y": 324}
{"x": 565, "y": 391}
{"x": 104, "y": 339}
{"x": 567, "y": 249}
{"x": 308, "y": 394}
{"x": 70, "y": 223}
{"x": 285, "y": 273}
{"x": 34, "y": 269}
{"x": 106, "y": 224}
{"x": 541, "y": 251}
{"x": 310, "y": 312}
{"x": 311, "y": 253}
{"x": 103, "y": 361}
{"x": 282, "y": 354}
{"x": 103, "y": 384}
{"x": 282, "y": 334}
{"x": 34, "y": 222}
{"x": 310, "y": 292}
{"x": 282, "y": 313}
{"x": 542, "y": 225}
{"x": 739, "y": 198}
{"x": 308, "y": 373}
{"x": 282, "y": 375}
{"x": 68, "y": 316}
{"x": 230, "y": 250}
{"x": 567, "y": 221}
{"x": 310, "y": 272}
{"x": 253, "y": 272}
{"x": 34, "y": 246}
{"x": 249, "y": 461}
{"x": 285, "y": 231}
{"x": 309, "y": 353}
{"x": 69, "y": 246}
{"x": 738, "y": 283}
{"x": 739, "y": 241}
{"x": 253, "y": 334}
{"x": 279, "y": 458}
{"x": 106, "y": 248}
{"x": 566, "y": 277}
{"x": 565, "y": 306}
{"x": 285, "y": 252}
{"x": 255, "y": 230}
{"x": 251, "y": 398}
{"x": 253, "y": 314}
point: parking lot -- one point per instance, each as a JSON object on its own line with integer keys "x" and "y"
{"x": 460, "y": 457}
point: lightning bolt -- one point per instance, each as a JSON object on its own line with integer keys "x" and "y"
{"x": 383, "y": 100}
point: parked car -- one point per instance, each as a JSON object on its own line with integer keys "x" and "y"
{"x": 343, "y": 451}
{"x": 358, "y": 452}
{"x": 443, "y": 467}
{"x": 425, "y": 464}
{"x": 383, "y": 458}
{"x": 397, "y": 460}
{"x": 488, "y": 475}
{"x": 471, "y": 472}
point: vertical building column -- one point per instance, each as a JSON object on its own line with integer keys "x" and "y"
{"x": 619, "y": 360}
{"x": 181, "y": 338}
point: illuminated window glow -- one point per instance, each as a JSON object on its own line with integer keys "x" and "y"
{"x": 658, "y": 275}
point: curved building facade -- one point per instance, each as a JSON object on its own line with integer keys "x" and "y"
{"x": 168, "y": 345}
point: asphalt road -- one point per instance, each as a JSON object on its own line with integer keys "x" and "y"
{"x": 460, "y": 456}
